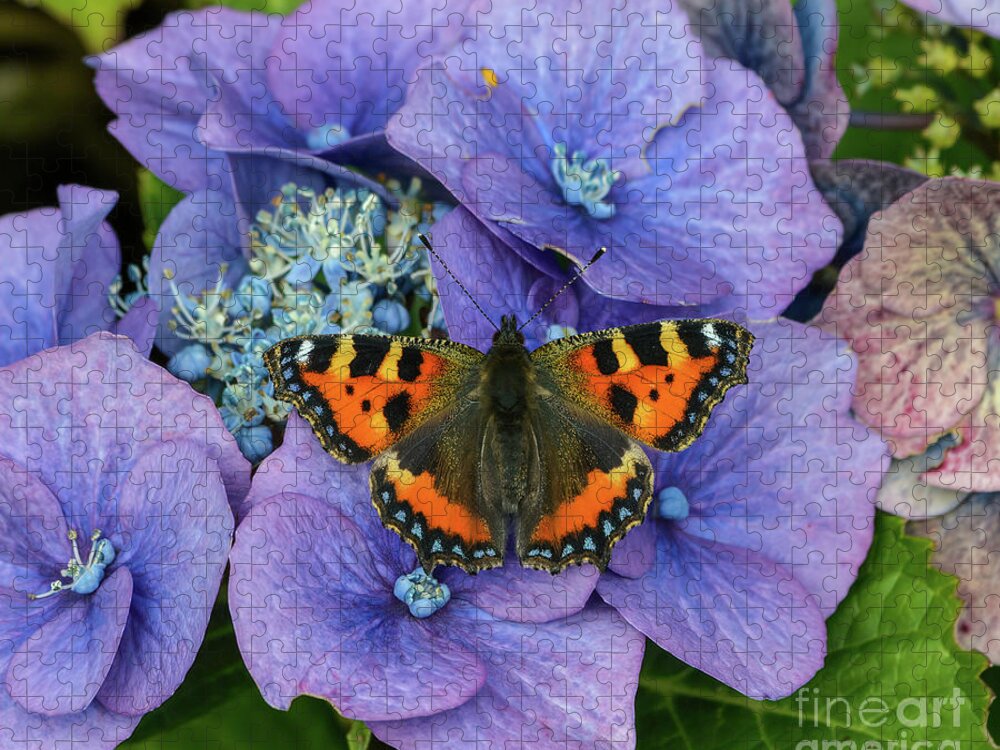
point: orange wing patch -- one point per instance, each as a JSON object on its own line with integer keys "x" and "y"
{"x": 439, "y": 528}
{"x": 585, "y": 527}
{"x": 361, "y": 394}
{"x": 657, "y": 382}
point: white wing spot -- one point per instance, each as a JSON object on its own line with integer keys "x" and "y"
{"x": 302, "y": 355}
{"x": 710, "y": 333}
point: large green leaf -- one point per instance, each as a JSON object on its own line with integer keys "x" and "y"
{"x": 218, "y": 707}
{"x": 98, "y": 23}
{"x": 893, "y": 673}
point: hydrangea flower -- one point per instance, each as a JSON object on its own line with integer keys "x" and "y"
{"x": 758, "y": 529}
{"x": 624, "y": 136}
{"x": 982, "y": 15}
{"x": 792, "y": 47}
{"x": 921, "y": 307}
{"x": 115, "y": 487}
{"x": 319, "y": 261}
{"x": 327, "y": 602}
{"x": 58, "y": 270}
{"x": 313, "y": 88}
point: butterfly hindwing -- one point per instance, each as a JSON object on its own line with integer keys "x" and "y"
{"x": 427, "y": 489}
{"x": 656, "y": 382}
{"x": 596, "y": 484}
{"x": 363, "y": 393}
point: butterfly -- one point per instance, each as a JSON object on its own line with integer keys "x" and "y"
{"x": 550, "y": 441}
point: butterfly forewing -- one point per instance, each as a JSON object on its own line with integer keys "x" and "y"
{"x": 656, "y": 382}
{"x": 361, "y": 394}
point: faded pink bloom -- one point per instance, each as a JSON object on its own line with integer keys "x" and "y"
{"x": 920, "y": 306}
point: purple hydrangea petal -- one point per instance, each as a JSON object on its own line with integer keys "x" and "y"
{"x": 89, "y": 259}
{"x": 140, "y": 324}
{"x": 727, "y": 611}
{"x": 175, "y": 530}
{"x": 95, "y": 728}
{"x": 753, "y": 221}
{"x": 128, "y": 401}
{"x": 520, "y": 594}
{"x": 160, "y": 83}
{"x": 57, "y": 267}
{"x": 496, "y": 277}
{"x": 314, "y": 614}
{"x": 199, "y": 235}
{"x": 792, "y": 49}
{"x": 34, "y": 548}
{"x": 965, "y": 546}
{"x": 59, "y": 669}
{"x": 344, "y": 64}
{"x": 570, "y": 683}
{"x": 782, "y": 468}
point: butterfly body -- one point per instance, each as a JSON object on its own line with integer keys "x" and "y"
{"x": 469, "y": 444}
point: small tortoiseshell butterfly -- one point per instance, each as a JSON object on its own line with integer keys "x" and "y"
{"x": 464, "y": 441}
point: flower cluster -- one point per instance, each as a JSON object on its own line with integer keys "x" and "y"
{"x": 339, "y": 260}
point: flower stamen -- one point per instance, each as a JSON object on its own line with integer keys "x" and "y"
{"x": 85, "y": 576}
{"x": 584, "y": 183}
{"x": 421, "y": 593}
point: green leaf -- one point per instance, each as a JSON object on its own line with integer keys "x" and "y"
{"x": 267, "y": 6}
{"x": 218, "y": 707}
{"x": 156, "y": 198}
{"x": 98, "y": 23}
{"x": 359, "y": 736}
{"x": 893, "y": 672}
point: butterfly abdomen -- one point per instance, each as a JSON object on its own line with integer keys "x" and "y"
{"x": 507, "y": 393}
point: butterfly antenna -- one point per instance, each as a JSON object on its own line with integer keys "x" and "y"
{"x": 461, "y": 286}
{"x": 566, "y": 286}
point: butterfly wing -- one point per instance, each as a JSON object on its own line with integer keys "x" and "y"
{"x": 411, "y": 402}
{"x": 656, "y": 382}
{"x": 599, "y": 393}
{"x": 427, "y": 488}
{"x": 595, "y": 485}
{"x": 363, "y": 393}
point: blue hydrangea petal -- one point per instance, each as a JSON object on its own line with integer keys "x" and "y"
{"x": 725, "y": 595}
{"x": 210, "y": 41}
{"x": 389, "y": 662}
{"x": 57, "y": 670}
{"x": 530, "y": 663}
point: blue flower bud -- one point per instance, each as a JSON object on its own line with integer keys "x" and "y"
{"x": 672, "y": 504}
{"x": 390, "y": 316}
{"x": 256, "y": 443}
{"x": 252, "y": 297}
{"x": 422, "y": 594}
{"x": 190, "y": 363}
